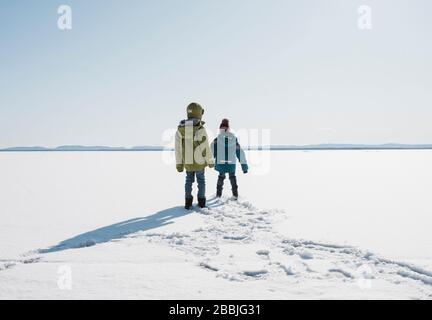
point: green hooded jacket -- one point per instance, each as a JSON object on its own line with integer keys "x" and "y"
{"x": 192, "y": 148}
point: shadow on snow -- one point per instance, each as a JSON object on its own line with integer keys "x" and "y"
{"x": 119, "y": 230}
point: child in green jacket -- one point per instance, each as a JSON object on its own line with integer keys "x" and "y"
{"x": 192, "y": 152}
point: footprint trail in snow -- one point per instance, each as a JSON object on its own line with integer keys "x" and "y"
{"x": 238, "y": 243}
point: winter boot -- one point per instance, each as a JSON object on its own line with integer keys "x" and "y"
{"x": 235, "y": 193}
{"x": 188, "y": 203}
{"x": 202, "y": 202}
{"x": 219, "y": 185}
{"x": 234, "y": 186}
{"x": 218, "y": 191}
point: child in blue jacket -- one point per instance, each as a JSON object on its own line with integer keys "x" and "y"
{"x": 226, "y": 149}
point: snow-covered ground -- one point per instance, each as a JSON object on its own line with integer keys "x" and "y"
{"x": 316, "y": 224}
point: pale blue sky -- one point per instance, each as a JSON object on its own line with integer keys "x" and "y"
{"x": 127, "y": 70}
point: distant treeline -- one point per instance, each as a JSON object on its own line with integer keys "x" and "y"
{"x": 389, "y": 146}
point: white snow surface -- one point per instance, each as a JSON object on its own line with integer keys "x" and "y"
{"x": 317, "y": 225}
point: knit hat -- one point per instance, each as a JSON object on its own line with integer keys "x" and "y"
{"x": 224, "y": 124}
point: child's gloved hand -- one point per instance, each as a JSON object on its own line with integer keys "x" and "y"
{"x": 245, "y": 168}
{"x": 211, "y": 165}
{"x": 179, "y": 167}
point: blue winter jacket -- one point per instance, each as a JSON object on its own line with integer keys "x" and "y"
{"x": 225, "y": 150}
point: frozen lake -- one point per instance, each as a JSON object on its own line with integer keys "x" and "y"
{"x": 375, "y": 200}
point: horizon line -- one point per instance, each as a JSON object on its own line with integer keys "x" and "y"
{"x": 322, "y": 146}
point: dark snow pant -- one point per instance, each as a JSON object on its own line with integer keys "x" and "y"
{"x": 232, "y": 178}
{"x": 190, "y": 179}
